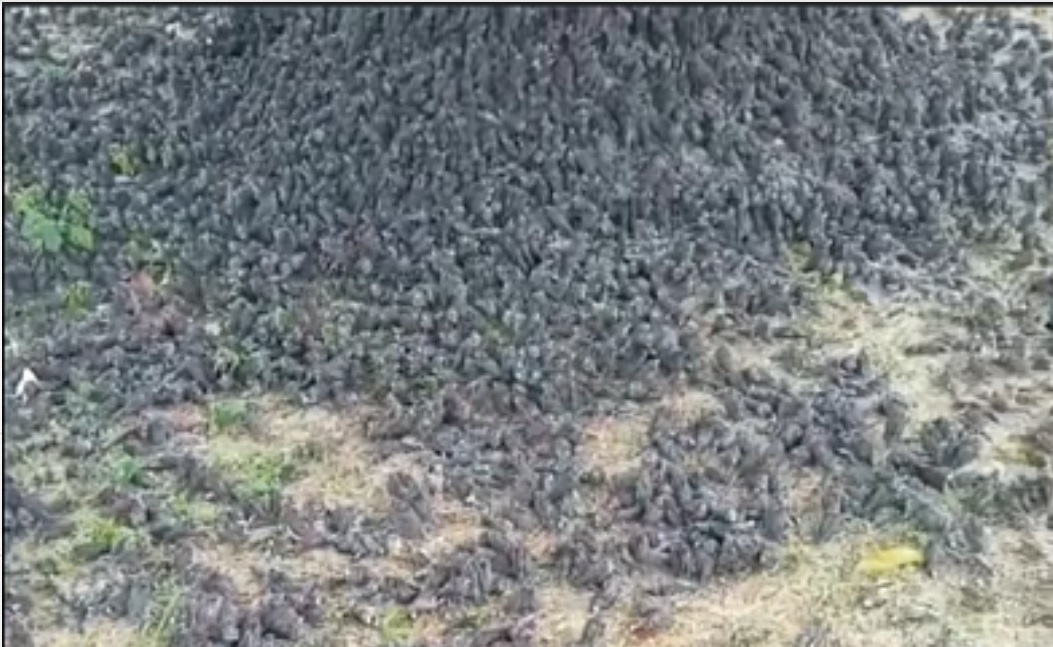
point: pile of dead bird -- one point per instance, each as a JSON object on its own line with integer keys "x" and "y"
{"x": 499, "y": 221}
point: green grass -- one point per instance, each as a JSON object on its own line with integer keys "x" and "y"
{"x": 257, "y": 472}
{"x": 225, "y": 416}
{"x": 125, "y": 471}
{"x": 162, "y": 617}
{"x": 98, "y": 535}
{"x": 264, "y": 477}
{"x": 259, "y": 477}
{"x": 194, "y": 512}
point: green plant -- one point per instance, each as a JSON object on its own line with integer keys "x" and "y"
{"x": 193, "y": 512}
{"x": 77, "y": 298}
{"x": 126, "y": 471}
{"x": 124, "y": 162}
{"x": 474, "y": 618}
{"x": 49, "y": 223}
{"x": 98, "y": 535}
{"x": 264, "y": 477}
{"x": 162, "y": 615}
{"x": 257, "y": 477}
{"x": 396, "y": 627}
{"x": 228, "y": 415}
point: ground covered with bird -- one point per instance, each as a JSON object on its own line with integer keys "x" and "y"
{"x": 548, "y": 326}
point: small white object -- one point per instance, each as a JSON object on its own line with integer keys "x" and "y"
{"x": 25, "y": 384}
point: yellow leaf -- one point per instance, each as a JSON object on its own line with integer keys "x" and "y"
{"x": 886, "y": 560}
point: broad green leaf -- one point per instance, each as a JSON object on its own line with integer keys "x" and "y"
{"x": 51, "y": 240}
{"x": 81, "y": 237}
{"x": 42, "y": 233}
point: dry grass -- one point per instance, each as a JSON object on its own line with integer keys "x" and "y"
{"x": 612, "y": 445}
{"x": 562, "y": 614}
{"x": 888, "y": 334}
{"x": 819, "y": 590}
{"x": 345, "y": 472}
{"x": 101, "y": 633}
{"x": 244, "y": 566}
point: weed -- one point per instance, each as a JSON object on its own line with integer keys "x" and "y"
{"x": 475, "y": 618}
{"x": 97, "y": 535}
{"x": 260, "y": 478}
{"x": 124, "y": 162}
{"x": 49, "y": 223}
{"x": 396, "y": 627}
{"x": 38, "y": 228}
{"x": 267, "y": 475}
{"x": 77, "y": 299}
{"x": 193, "y": 512}
{"x": 126, "y": 471}
{"x": 162, "y": 616}
{"x": 228, "y": 415}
